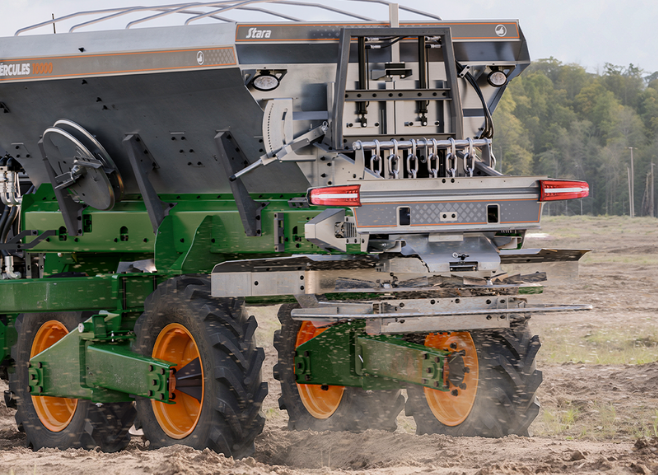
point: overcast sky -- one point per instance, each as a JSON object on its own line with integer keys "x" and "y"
{"x": 587, "y": 32}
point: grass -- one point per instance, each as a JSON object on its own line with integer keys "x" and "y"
{"x": 600, "y": 346}
{"x": 557, "y": 422}
{"x": 595, "y": 420}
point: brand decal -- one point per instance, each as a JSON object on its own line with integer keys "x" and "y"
{"x": 199, "y": 58}
{"x": 15, "y": 69}
{"x": 256, "y": 33}
{"x": 501, "y": 30}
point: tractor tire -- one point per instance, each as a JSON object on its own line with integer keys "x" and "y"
{"x": 182, "y": 322}
{"x": 502, "y": 393}
{"x": 335, "y": 408}
{"x": 61, "y": 423}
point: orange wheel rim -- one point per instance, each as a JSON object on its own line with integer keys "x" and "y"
{"x": 55, "y": 413}
{"x": 448, "y": 408}
{"x": 320, "y": 403}
{"x": 176, "y": 345}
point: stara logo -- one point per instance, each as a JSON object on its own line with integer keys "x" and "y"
{"x": 256, "y": 33}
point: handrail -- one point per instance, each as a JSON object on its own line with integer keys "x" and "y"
{"x": 192, "y": 9}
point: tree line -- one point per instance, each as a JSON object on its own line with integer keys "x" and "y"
{"x": 560, "y": 121}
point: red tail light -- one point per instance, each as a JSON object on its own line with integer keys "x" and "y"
{"x": 555, "y": 190}
{"x": 335, "y": 196}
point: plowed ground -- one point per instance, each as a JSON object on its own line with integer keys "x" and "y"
{"x": 599, "y": 396}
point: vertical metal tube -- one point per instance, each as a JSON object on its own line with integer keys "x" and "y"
{"x": 363, "y": 73}
{"x": 422, "y": 75}
{"x": 422, "y": 62}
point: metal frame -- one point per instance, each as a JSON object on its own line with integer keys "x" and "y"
{"x": 189, "y": 8}
{"x": 344, "y": 47}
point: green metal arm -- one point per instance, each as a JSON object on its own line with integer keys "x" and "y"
{"x": 344, "y": 355}
{"x": 95, "y": 362}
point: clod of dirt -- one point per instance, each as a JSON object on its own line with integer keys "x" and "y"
{"x": 577, "y": 455}
{"x": 647, "y": 446}
{"x": 639, "y": 468}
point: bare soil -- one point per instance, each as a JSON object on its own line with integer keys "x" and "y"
{"x": 599, "y": 396}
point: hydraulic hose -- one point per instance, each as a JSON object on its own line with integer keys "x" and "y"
{"x": 7, "y": 227}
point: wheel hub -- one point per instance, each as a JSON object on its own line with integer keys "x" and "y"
{"x": 457, "y": 369}
{"x": 176, "y": 344}
{"x": 453, "y": 407}
{"x": 321, "y": 401}
{"x": 55, "y": 413}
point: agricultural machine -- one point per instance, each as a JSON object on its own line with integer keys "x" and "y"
{"x": 156, "y": 180}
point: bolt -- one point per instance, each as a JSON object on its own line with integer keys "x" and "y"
{"x": 462, "y": 386}
{"x": 454, "y": 392}
{"x": 300, "y": 366}
{"x": 150, "y": 393}
{"x": 428, "y": 370}
{"x": 423, "y": 381}
{"x": 150, "y": 367}
{"x": 154, "y": 382}
{"x": 162, "y": 371}
{"x": 436, "y": 384}
{"x": 488, "y": 317}
{"x": 307, "y": 354}
{"x": 437, "y": 359}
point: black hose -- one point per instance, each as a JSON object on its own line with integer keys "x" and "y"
{"x": 3, "y": 219}
{"x": 7, "y": 227}
{"x": 488, "y": 131}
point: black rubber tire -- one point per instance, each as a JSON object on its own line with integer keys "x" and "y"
{"x": 359, "y": 409}
{"x": 233, "y": 392}
{"x": 505, "y": 402}
{"x": 105, "y": 426}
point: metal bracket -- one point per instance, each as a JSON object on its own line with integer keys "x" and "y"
{"x": 70, "y": 209}
{"x": 279, "y": 232}
{"x": 232, "y": 157}
{"x": 321, "y": 229}
{"x": 142, "y": 163}
{"x": 14, "y": 244}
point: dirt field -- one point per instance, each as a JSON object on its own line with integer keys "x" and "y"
{"x": 599, "y": 396}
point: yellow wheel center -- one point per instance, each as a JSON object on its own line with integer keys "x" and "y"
{"x": 55, "y": 413}
{"x": 176, "y": 344}
{"x": 453, "y": 407}
{"x": 320, "y": 401}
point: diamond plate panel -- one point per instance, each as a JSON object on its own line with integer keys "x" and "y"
{"x": 432, "y": 213}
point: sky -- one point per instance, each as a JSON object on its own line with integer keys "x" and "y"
{"x": 587, "y": 32}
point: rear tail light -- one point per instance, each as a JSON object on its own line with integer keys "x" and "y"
{"x": 555, "y": 190}
{"x": 335, "y": 196}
